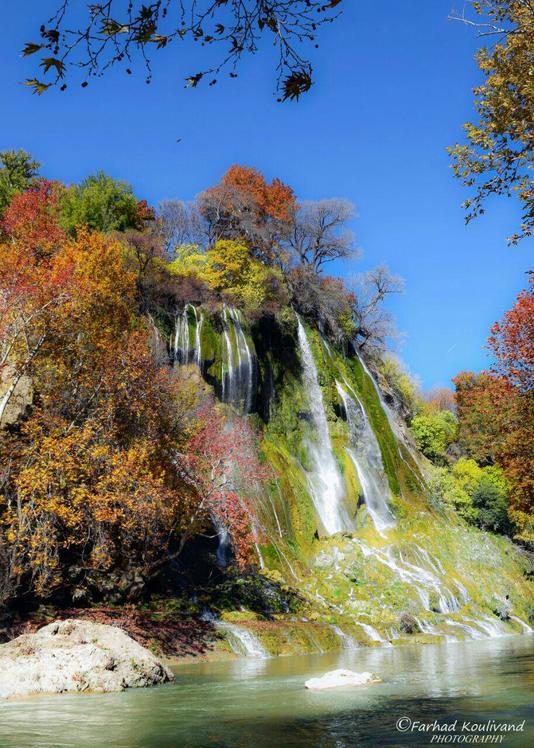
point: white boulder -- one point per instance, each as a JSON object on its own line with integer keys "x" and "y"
{"x": 339, "y": 679}
{"x": 76, "y": 655}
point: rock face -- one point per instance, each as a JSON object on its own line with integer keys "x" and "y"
{"x": 76, "y": 656}
{"x": 339, "y": 679}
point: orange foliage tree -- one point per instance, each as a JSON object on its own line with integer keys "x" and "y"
{"x": 88, "y": 480}
{"x": 246, "y": 207}
{"x": 496, "y": 409}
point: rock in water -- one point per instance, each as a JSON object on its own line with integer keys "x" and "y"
{"x": 76, "y": 655}
{"x": 339, "y": 679}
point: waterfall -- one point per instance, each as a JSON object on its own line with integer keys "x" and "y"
{"x": 472, "y": 632}
{"x": 325, "y": 480}
{"x": 427, "y": 628}
{"x": 183, "y": 352}
{"x": 238, "y": 363}
{"x": 242, "y": 641}
{"x": 373, "y": 634}
{"x": 526, "y": 628}
{"x": 347, "y": 642}
{"x": 198, "y": 341}
{"x": 181, "y": 338}
{"x": 224, "y": 545}
{"x": 367, "y": 458}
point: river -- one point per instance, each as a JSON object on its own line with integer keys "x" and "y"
{"x": 251, "y": 703}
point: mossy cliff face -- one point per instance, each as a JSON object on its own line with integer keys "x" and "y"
{"x": 428, "y": 577}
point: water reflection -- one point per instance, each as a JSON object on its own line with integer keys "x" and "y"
{"x": 262, "y": 703}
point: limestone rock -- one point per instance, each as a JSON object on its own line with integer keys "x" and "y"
{"x": 340, "y": 679}
{"x": 75, "y": 655}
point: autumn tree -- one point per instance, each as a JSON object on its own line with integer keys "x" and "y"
{"x": 476, "y": 407}
{"x": 222, "y": 466}
{"x": 440, "y": 398}
{"x": 114, "y": 34}
{"x": 18, "y": 171}
{"x": 245, "y": 207}
{"x": 496, "y": 410}
{"x": 512, "y": 342}
{"x": 498, "y": 154}
{"x": 33, "y": 289}
{"x": 33, "y": 217}
{"x": 89, "y": 484}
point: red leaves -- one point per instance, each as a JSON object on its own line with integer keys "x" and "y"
{"x": 145, "y": 212}
{"x": 496, "y": 408}
{"x": 275, "y": 200}
{"x": 222, "y": 465}
{"x": 512, "y": 341}
{"x": 32, "y": 218}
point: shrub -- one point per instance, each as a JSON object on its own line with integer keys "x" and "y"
{"x": 433, "y": 433}
{"x": 490, "y": 497}
{"x": 445, "y": 491}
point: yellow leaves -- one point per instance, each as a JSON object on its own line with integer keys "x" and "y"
{"x": 189, "y": 260}
{"x": 39, "y": 87}
{"x": 31, "y": 48}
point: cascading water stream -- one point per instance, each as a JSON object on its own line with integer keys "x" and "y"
{"x": 367, "y": 458}
{"x": 198, "y": 338}
{"x": 181, "y": 338}
{"x": 326, "y": 483}
{"x": 227, "y": 374}
{"x": 238, "y": 363}
{"x": 224, "y": 547}
{"x": 526, "y": 628}
{"x": 373, "y": 634}
{"x": 347, "y": 641}
{"x": 242, "y": 641}
{"x": 183, "y": 351}
{"x": 422, "y": 580}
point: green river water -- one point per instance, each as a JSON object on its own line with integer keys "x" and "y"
{"x": 263, "y": 703}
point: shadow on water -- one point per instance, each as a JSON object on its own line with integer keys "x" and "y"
{"x": 263, "y": 703}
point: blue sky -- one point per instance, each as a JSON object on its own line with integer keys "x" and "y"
{"x": 393, "y": 86}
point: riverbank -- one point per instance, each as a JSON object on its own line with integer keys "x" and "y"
{"x": 178, "y": 640}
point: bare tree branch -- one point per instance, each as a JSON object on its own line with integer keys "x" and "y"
{"x": 118, "y": 31}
